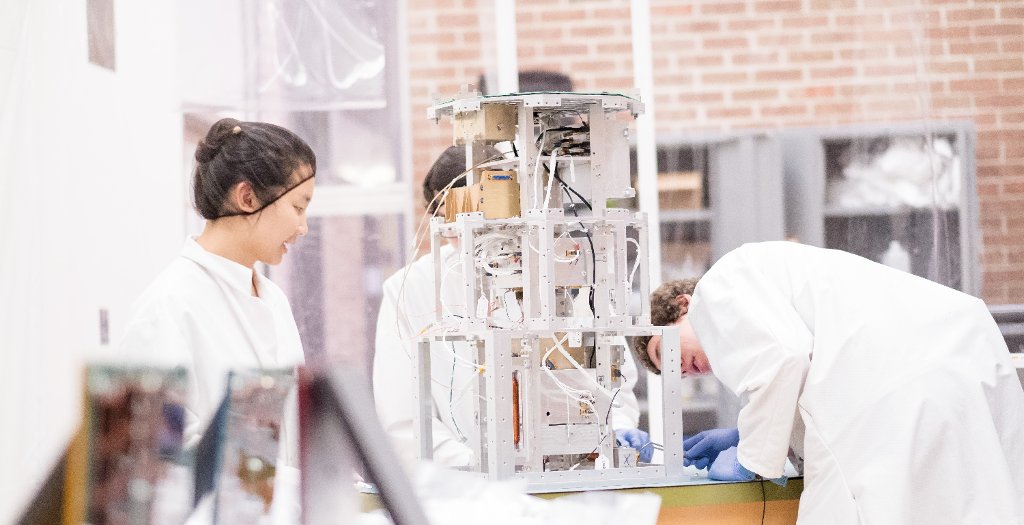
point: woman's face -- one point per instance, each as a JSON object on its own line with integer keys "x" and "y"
{"x": 283, "y": 222}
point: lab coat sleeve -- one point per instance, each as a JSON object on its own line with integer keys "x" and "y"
{"x": 155, "y": 337}
{"x": 393, "y": 389}
{"x": 760, "y": 348}
{"x": 627, "y": 412}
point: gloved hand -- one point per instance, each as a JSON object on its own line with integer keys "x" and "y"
{"x": 638, "y": 439}
{"x": 702, "y": 449}
{"x": 727, "y": 468}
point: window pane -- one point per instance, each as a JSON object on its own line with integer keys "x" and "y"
{"x": 334, "y": 279}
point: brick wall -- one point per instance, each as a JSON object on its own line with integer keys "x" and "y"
{"x": 722, "y": 65}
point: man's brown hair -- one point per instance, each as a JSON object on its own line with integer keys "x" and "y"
{"x": 665, "y": 310}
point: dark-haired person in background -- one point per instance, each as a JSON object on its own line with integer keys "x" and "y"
{"x": 895, "y": 393}
{"x": 210, "y": 310}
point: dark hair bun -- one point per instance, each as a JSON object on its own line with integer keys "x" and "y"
{"x": 220, "y": 132}
{"x": 265, "y": 155}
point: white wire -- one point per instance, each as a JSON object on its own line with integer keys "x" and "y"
{"x": 551, "y": 178}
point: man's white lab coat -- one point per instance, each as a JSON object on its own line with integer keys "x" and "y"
{"x": 454, "y": 427}
{"x": 200, "y": 314}
{"x": 897, "y": 392}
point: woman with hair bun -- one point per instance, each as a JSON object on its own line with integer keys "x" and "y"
{"x": 210, "y": 311}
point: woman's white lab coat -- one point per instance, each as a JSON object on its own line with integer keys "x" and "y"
{"x": 200, "y": 314}
{"x": 897, "y": 392}
{"x": 454, "y": 427}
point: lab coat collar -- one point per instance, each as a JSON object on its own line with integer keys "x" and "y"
{"x": 237, "y": 276}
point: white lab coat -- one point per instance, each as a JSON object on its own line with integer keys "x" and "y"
{"x": 200, "y": 314}
{"x": 897, "y": 392}
{"x": 454, "y": 426}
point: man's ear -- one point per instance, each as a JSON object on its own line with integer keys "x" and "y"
{"x": 684, "y": 300}
{"x": 243, "y": 198}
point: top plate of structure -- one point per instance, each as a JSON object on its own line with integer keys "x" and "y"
{"x": 565, "y": 100}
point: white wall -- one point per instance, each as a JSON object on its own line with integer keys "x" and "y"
{"x": 90, "y": 209}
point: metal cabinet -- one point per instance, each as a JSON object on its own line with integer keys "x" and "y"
{"x": 898, "y": 194}
{"x": 740, "y": 198}
{"x": 715, "y": 194}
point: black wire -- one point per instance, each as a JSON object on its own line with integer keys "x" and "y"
{"x": 569, "y": 188}
{"x": 764, "y": 501}
{"x": 593, "y": 252}
{"x": 610, "y": 404}
{"x": 451, "y": 393}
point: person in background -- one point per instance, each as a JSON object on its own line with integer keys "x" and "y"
{"x": 895, "y": 393}
{"x": 408, "y": 307}
{"x": 211, "y": 311}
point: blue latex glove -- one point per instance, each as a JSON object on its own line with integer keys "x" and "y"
{"x": 702, "y": 449}
{"x": 638, "y": 439}
{"x": 727, "y": 468}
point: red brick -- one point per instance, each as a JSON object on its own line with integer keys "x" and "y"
{"x": 1007, "y": 12}
{"x": 843, "y": 108}
{"x": 615, "y": 48}
{"x": 947, "y": 66}
{"x": 828, "y": 5}
{"x": 1012, "y": 46}
{"x": 750, "y": 24}
{"x": 541, "y": 34}
{"x": 701, "y": 60}
{"x": 458, "y": 55}
{"x": 755, "y": 94}
{"x": 955, "y": 100}
{"x": 1009, "y": 65}
{"x": 780, "y": 40}
{"x": 431, "y": 38}
{"x": 675, "y": 80}
{"x": 730, "y": 113}
{"x": 864, "y": 53}
{"x": 984, "y": 151}
{"x": 773, "y": 75}
{"x": 1013, "y": 149}
{"x": 997, "y": 30}
{"x": 720, "y": 43}
{"x": 565, "y": 49}
{"x": 592, "y": 31}
{"x": 973, "y": 47}
{"x": 701, "y": 96}
{"x": 719, "y": 8}
{"x": 941, "y": 33}
{"x": 839, "y": 72}
{"x": 835, "y": 37}
{"x": 1013, "y": 84}
{"x": 777, "y": 6}
{"x": 860, "y": 20}
{"x": 1010, "y": 118}
{"x": 660, "y": 10}
{"x": 592, "y": 65}
{"x": 995, "y": 100}
{"x": 993, "y": 257}
{"x": 612, "y": 13}
{"x": 974, "y": 84}
{"x": 914, "y": 17}
{"x": 822, "y": 55}
{"x": 802, "y": 22}
{"x": 812, "y": 92}
{"x": 987, "y": 187}
{"x": 742, "y": 59}
{"x": 970, "y": 14}
{"x": 783, "y": 110}
{"x": 890, "y": 70}
{"x": 725, "y": 77}
{"x": 702, "y": 26}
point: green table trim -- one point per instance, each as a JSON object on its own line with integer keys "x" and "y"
{"x": 712, "y": 493}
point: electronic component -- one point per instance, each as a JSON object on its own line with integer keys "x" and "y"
{"x": 546, "y": 259}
